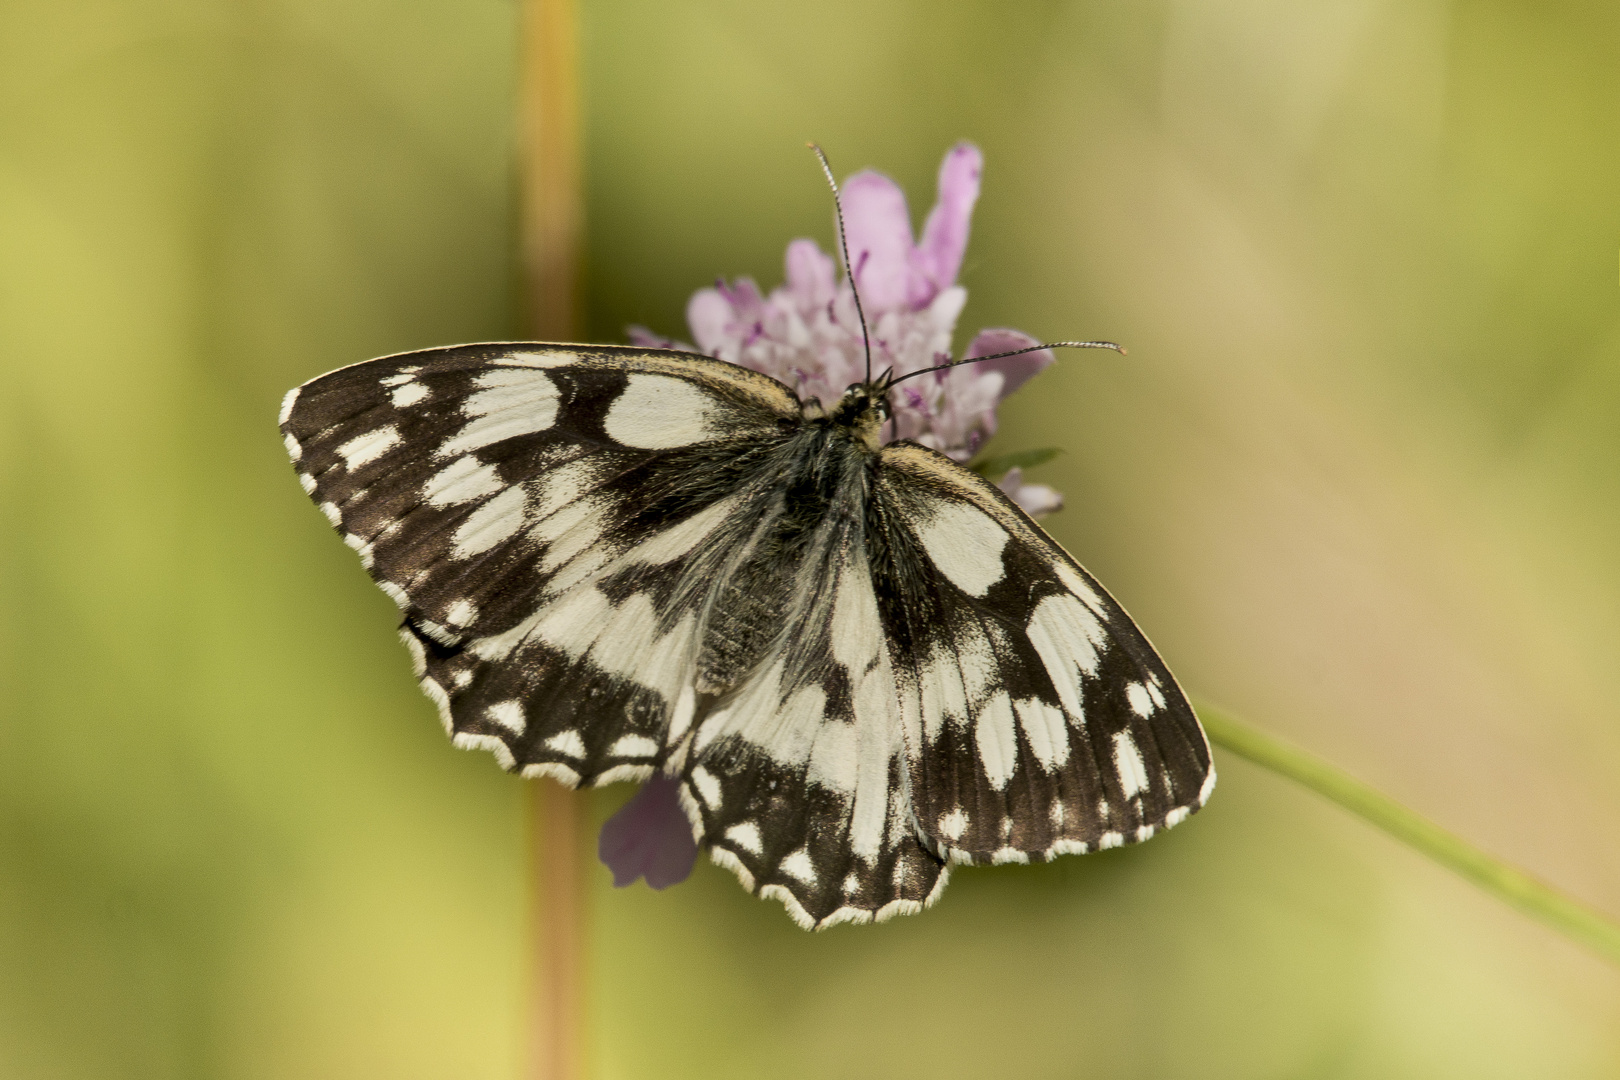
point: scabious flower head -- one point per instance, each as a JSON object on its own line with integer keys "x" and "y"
{"x": 807, "y": 334}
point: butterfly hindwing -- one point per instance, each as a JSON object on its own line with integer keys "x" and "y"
{"x": 1039, "y": 721}
{"x": 798, "y": 775}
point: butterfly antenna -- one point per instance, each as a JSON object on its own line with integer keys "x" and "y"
{"x": 849, "y": 267}
{"x": 1016, "y": 352}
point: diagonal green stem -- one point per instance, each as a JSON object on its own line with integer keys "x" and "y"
{"x": 1570, "y": 917}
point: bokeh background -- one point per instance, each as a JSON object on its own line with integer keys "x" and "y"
{"x": 1358, "y": 479}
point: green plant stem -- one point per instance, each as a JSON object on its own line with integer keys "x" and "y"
{"x": 1573, "y": 919}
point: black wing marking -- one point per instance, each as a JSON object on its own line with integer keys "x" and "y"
{"x": 1038, "y": 719}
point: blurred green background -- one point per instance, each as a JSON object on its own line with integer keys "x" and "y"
{"x": 1358, "y": 478}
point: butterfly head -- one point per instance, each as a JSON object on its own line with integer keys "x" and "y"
{"x": 862, "y": 411}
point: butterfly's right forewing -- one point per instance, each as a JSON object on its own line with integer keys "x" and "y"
{"x": 549, "y": 520}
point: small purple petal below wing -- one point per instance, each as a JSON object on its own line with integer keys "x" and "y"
{"x": 649, "y": 837}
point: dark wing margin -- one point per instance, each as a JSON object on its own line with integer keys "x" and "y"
{"x": 544, "y": 516}
{"x": 1038, "y": 719}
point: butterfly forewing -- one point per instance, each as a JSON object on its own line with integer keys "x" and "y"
{"x": 542, "y": 516}
{"x": 1038, "y": 719}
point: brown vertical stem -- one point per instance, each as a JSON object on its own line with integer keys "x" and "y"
{"x": 551, "y": 226}
{"x": 552, "y": 212}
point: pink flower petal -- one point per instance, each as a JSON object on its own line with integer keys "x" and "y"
{"x": 938, "y": 257}
{"x": 1015, "y": 370}
{"x": 878, "y": 227}
{"x": 640, "y": 335}
{"x": 709, "y": 314}
{"x": 649, "y": 837}
{"x": 1036, "y": 500}
{"x": 811, "y": 275}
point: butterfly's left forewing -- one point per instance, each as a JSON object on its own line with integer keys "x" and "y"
{"x": 1038, "y": 720}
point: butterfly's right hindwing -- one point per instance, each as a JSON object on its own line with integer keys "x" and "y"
{"x": 547, "y": 518}
{"x": 1038, "y": 719}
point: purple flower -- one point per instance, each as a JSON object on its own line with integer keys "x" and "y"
{"x": 807, "y": 334}
{"x": 649, "y": 837}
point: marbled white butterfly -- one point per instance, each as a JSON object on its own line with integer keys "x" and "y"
{"x": 862, "y": 661}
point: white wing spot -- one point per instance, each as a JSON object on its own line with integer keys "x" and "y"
{"x": 659, "y": 412}
{"x": 746, "y": 836}
{"x": 1141, "y": 701}
{"x": 461, "y": 613}
{"x": 1176, "y": 817}
{"x": 799, "y": 867}
{"x": 562, "y": 485}
{"x": 953, "y": 824}
{"x": 1110, "y": 840}
{"x": 1066, "y": 637}
{"x": 1133, "y": 777}
{"x": 678, "y": 539}
{"x": 967, "y": 545}
{"x": 287, "y": 404}
{"x": 407, "y": 395}
{"x": 495, "y": 521}
{"x": 852, "y": 884}
{"x": 856, "y": 626}
{"x": 1155, "y": 693}
{"x": 461, "y": 481}
{"x": 633, "y": 746}
{"x": 1056, "y": 813}
{"x": 333, "y": 514}
{"x": 708, "y": 787}
{"x": 364, "y": 449}
{"x": 685, "y": 708}
{"x": 568, "y": 743}
{"x": 996, "y": 741}
{"x": 361, "y": 547}
{"x": 294, "y": 451}
{"x": 1046, "y": 730}
{"x": 508, "y": 714}
{"x": 513, "y": 402}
